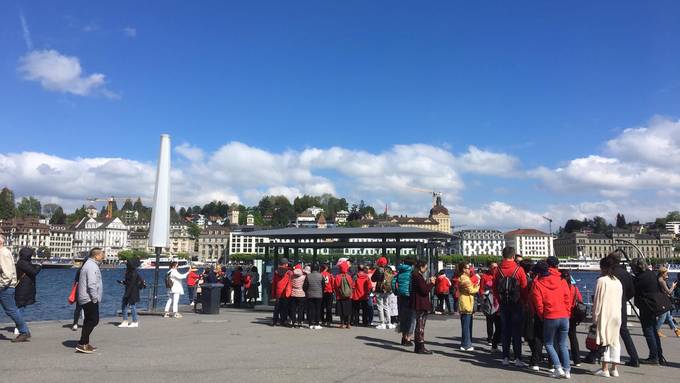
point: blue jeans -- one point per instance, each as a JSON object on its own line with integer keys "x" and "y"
{"x": 665, "y": 318}
{"x": 512, "y": 324}
{"x": 557, "y": 330}
{"x": 133, "y": 309}
{"x": 9, "y": 305}
{"x": 465, "y": 321}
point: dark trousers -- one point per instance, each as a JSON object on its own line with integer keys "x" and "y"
{"x": 237, "y": 296}
{"x": 512, "y": 322}
{"x": 441, "y": 300}
{"x": 536, "y": 343}
{"x": 91, "y": 321}
{"x": 626, "y": 338}
{"x": 363, "y": 307}
{"x": 314, "y": 311}
{"x": 297, "y": 307}
{"x": 76, "y": 313}
{"x": 281, "y": 311}
{"x": 493, "y": 329}
{"x": 648, "y": 323}
{"x": 573, "y": 343}
{"x": 327, "y": 307}
{"x": 421, "y": 321}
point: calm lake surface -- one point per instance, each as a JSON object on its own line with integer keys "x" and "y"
{"x": 54, "y": 287}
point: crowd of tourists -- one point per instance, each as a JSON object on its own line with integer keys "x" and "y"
{"x": 523, "y": 302}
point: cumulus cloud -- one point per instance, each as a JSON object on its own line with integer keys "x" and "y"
{"x": 57, "y": 72}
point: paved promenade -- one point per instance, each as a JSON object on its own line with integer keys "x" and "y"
{"x": 239, "y": 346}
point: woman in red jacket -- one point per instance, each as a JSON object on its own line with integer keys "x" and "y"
{"x": 327, "y": 300}
{"x": 344, "y": 286}
{"x": 360, "y": 292}
{"x": 552, "y": 301}
{"x": 442, "y": 287}
{"x": 575, "y": 297}
{"x": 420, "y": 304}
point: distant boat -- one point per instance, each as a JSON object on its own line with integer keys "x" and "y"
{"x": 57, "y": 263}
{"x": 150, "y": 263}
{"x": 580, "y": 265}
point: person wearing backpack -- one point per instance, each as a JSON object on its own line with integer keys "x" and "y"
{"x": 382, "y": 277}
{"x": 173, "y": 282}
{"x": 490, "y": 306}
{"x": 442, "y": 287}
{"x": 510, "y": 290}
{"x": 401, "y": 285}
{"x": 343, "y": 291}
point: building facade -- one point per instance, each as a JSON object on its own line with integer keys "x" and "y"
{"x": 478, "y": 242}
{"x": 25, "y": 232}
{"x": 438, "y": 220}
{"x": 213, "y": 243}
{"x": 530, "y": 243}
{"x": 673, "y": 227}
{"x": 596, "y": 246}
{"x": 61, "y": 241}
{"x": 109, "y": 234}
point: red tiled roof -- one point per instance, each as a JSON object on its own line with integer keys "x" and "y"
{"x": 533, "y": 232}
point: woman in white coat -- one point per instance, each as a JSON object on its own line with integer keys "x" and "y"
{"x": 607, "y": 317}
{"x": 175, "y": 278}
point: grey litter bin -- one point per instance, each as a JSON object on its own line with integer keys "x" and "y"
{"x": 210, "y": 298}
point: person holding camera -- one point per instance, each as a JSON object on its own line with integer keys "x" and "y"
{"x": 133, "y": 283}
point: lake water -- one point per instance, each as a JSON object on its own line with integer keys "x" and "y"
{"x": 54, "y": 286}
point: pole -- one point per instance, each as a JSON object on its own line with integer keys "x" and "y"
{"x": 155, "y": 279}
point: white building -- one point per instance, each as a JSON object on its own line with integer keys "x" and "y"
{"x": 240, "y": 243}
{"x": 109, "y": 234}
{"x": 530, "y": 243}
{"x": 478, "y": 242}
{"x": 341, "y": 217}
{"x": 61, "y": 241}
{"x": 673, "y": 227}
{"x": 308, "y": 217}
{"x": 25, "y": 232}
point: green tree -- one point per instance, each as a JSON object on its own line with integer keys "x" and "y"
{"x": 44, "y": 252}
{"x": 194, "y": 231}
{"x": 77, "y": 215}
{"x": 673, "y": 216}
{"x": 127, "y": 205}
{"x": 620, "y": 221}
{"x": 600, "y": 225}
{"x": 128, "y": 254}
{"x": 7, "y": 204}
{"x": 58, "y": 217}
{"x": 29, "y": 207}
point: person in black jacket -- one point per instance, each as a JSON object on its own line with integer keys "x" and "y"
{"x": 24, "y": 293}
{"x": 133, "y": 283}
{"x": 646, "y": 287}
{"x": 626, "y": 280}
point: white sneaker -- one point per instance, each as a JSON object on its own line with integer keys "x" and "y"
{"x": 470, "y": 349}
{"x": 391, "y": 326}
{"x": 559, "y": 373}
{"x": 463, "y": 348}
{"x": 123, "y": 324}
{"x": 16, "y": 331}
{"x": 505, "y": 361}
{"x": 178, "y": 315}
{"x": 551, "y": 370}
{"x": 166, "y": 315}
{"x": 75, "y": 327}
{"x": 602, "y": 373}
{"x": 567, "y": 375}
{"x": 535, "y": 368}
{"x": 615, "y": 373}
{"x": 134, "y": 325}
{"x": 191, "y": 304}
{"x": 319, "y": 327}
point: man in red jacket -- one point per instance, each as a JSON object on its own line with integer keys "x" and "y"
{"x": 192, "y": 280}
{"x": 281, "y": 290}
{"x": 328, "y": 294}
{"x": 510, "y": 290}
{"x": 490, "y": 305}
{"x": 362, "y": 288}
{"x": 442, "y": 287}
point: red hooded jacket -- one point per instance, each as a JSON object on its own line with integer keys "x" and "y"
{"x": 551, "y": 296}
{"x": 362, "y": 287}
{"x": 488, "y": 279}
{"x": 508, "y": 267}
{"x": 442, "y": 285}
{"x": 337, "y": 281}
{"x": 328, "y": 282}
{"x": 192, "y": 279}
{"x": 281, "y": 286}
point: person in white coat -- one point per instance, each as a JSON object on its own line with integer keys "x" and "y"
{"x": 607, "y": 318}
{"x": 175, "y": 278}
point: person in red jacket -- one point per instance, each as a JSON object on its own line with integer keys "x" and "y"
{"x": 574, "y": 298}
{"x": 490, "y": 306}
{"x": 237, "y": 285}
{"x": 192, "y": 280}
{"x": 512, "y": 304}
{"x": 360, "y": 292}
{"x": 281, "y": 291}
{"x": 551, "y": 298}
{"x": 442, "y": 287}
{"x": 344, "y": 287}
{"x": 327, "y": 300}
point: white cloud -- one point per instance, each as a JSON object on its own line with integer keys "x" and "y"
{"x": 26, "y": 32}
{"x": 657, "y": 144}
{"x": 191, "y": 153}
{"x": 130, "y": 31}
{"x": 57, "y": 72}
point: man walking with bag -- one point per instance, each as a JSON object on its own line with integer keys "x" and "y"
{"x": 90, "y": 292}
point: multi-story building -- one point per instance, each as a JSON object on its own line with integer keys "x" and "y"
{"x": 478, "y": 242}
{"x": 308, "y": 217}
{"x": 180, "y": 240}
{"x": 199, "y": 219}
{"x": 673, "y": 227}
{"x": 25, "y": 232}
{"x": 61, "y": 241}
{"x": 138, "y": 225}
{"x": 596, "y": 246}
{"x": 213, "y": 243}
{"x": 341, "y": 217}
{"x": 109, "y": 234}
{"x": 439, "y": 219}
{"x": 139, "y": 240}
{"x": 240, "y": 243}
{"x": 530, "y": 242}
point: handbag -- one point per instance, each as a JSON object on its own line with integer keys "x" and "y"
{"x": 660, "y": 303}
{"x": 74, "y": 294}
{"x": 591, "y": 339}
{"x": 579, "y": 311}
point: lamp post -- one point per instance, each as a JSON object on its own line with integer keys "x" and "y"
{"x": 160, "y": 215}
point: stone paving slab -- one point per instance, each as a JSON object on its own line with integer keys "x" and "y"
{"x": 240, "y": 346}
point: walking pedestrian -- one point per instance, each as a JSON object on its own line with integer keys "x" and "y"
{"x": 344, "y": 287}
{"x": 647, "y": 294}
{"x": 360, "y": 293}
{"x": 133, "y": 283}
{"x": 77, "y": 310}
{"x": 24, "y": 293}
{"x": 401, "y": 285}
{"x": 510, "y": 290}
{"x": 328, "y": 294}
{"x": 8, "y": 283}
{"x": 552, "y": 301}
{"x": 607, "y": 318}
{"x": 466, "y": 302}
{"x": 442, "y": 287}
{"x": 383, "y": 288}
{"x": 281, "y": 291}
{"x": 90, "y": 293}
{"x": 314, "y": 291}
{"x": 173, "y": 282}
{"x": 419, "y": 302}
{"x": 666, "y": 317}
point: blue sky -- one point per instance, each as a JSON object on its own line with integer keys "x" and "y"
{"x": 541, "y": 83}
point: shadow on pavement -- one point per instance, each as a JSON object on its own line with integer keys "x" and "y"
{"x": 70, "y": 343}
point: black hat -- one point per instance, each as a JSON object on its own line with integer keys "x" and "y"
{"x": 540, "y": 268}
{"x": 552, "y": 261}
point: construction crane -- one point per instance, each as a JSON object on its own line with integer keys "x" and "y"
{"x": 435, "y": 194}
{"x": 550, "y": 221}
{"x": 109, "y": 203}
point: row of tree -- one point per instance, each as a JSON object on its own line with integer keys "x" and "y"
{"x": 600, "y": 225}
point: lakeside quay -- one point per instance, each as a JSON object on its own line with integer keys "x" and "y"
{"x": 240, "y": 346}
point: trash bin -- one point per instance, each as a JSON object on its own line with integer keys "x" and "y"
{"x": 210, "y": 298}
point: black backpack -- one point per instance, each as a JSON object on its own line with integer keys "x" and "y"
{"x": 509, "y": 290}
